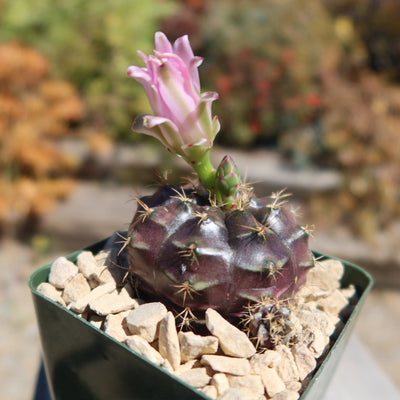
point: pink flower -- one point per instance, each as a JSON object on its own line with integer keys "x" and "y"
{"x": 182, "y": 118}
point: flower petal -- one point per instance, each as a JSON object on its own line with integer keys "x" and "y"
{"x": 183, "y": 50}
{"x": 161, "y": 42}
{"x": 139, "y": 74}
{"x": 161, "y": 128}
{"x": 176, "y": 90}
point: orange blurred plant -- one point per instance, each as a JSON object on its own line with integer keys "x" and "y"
{"x": 35, "y": 112}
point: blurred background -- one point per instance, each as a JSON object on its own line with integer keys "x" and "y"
{"x": 309, "y": 101}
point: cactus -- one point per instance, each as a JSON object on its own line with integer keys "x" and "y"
{"x": 268, "y": 322}
{"x": 215, "y": 244}
{"x": 195, "y": 254}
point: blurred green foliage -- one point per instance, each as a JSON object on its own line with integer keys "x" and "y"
{"x": 91, "y": 43}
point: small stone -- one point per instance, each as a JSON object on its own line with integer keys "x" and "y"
{"x": 316, "y": 319}
{"x": 103, "y": 275}
{"x": 293, "y": 386}
{"x": 268, "y": 359}
{"x": 221, "y": 382}
{"x": 167, "y": 366}
{"x": 272, "y": 382}
{"x": 168, "y": 342}
{"x": 48, "y": 290}
{"x": 188, "y": 365}
{"x": 249, "y": 384}
{"x": 80, "y": 305}
{"x": 111, "y": 303}
{"x": 114, "y": 325}
{"x": 286, "y": 395}
{"x": 349, "y": 292}
{"x": 315, "y": 340}
{"x": 87, "y": 264}
{"x": 286, "y": 367}
{"x": 228, "y": 365}
{"x": 210, "y": 391}
{"x": 194, "y": 346}
{"x": 304, "y": 359}
{"x": 76, "y": 288}
{"x": 233, "y": 341}
{"x": 234, "y": 394}
{"x": 325, "y": 277}
{"x": 96, "y": 321}
{"x": 334, "y": 303}
{"x": 145, "y": 320}
{"x": 61, "y": 272}
{"x": 195, "y": 377}
{"x": 107, "y": 267}
{"x": 142, "y": 347}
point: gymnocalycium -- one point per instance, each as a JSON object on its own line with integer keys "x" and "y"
{"x": 214, "y": 244}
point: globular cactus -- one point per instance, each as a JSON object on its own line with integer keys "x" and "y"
{"x": 268, "y": 322}
{"x": 216, "y": 246}
{"x": 185, "y": 249}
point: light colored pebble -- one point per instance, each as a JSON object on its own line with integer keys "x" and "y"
{"x": 334, "y": 303}
{"x": 48, "y": 290}
{"x": 80, "y": 305}
{"x": 349, "y": 292}
{"x": 168, "y": 342}
{"x": 304, "y": 359}
{"x": 115, "y": 326}
{"x": 250, "y": 384}
{"x": 210, "y": 391}
{"x": 272, "y": 382}
{"x": 221, "y": 382}
{"x": 145, "y": 320}
{"x": 228, "y": 365}
{"x": 167, "y": 366}
{"x": 76, "y": 288}
{"x": 315, "y": 340}
{"x": 111, "y": 303}
{"x": 196, "y": 377}
{"x": 107, "y": 269}
{"x": 194, "y": 346}
{"x": 324, "y": 278}
{"x": 293, "y": 386}
{"x": 316, "y": 319}
{"x": 188, "y": 365}
{"x": 286, "y": 367}
{"x": 233, "y": 341}
{"x": 103, "y": 275}
{"x": 87, "y": 264}
{"x": 61, "y": 272}
{"x": 260, "y": 361}
{"x": 234, "y": 394}
{"x": 142, "y": 347}
{"x": 101, "y": 258}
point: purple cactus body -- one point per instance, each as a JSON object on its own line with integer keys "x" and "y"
{"x": 193, "y": 254}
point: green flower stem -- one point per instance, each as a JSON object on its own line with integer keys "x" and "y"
{"x": 207, "y": 173}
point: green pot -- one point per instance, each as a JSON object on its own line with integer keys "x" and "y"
{"x": 82, "y": 362}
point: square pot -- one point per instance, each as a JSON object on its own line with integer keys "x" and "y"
{"x": 83, "y": 362}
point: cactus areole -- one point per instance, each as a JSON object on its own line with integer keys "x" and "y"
{"x": 215, "y": 244}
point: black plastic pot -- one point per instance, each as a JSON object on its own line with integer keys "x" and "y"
{"x": 83, "y": 362}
